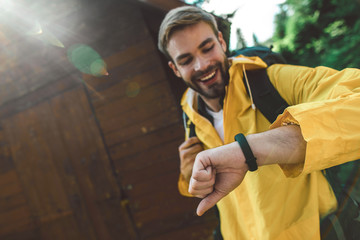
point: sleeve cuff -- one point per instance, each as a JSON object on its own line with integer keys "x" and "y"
{"x": 289, "y": 170}
{"x": 283, "y": 120}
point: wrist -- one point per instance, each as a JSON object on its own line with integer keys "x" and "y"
{"x": 229, "y": 156}
{"x": 249, "y": 157}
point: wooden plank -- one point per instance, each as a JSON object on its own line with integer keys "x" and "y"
{"x": 11, "y": 192}
{"x": 108, "y": 89}
{"x": 149, "y": 164}
{"x": 147, "y": 141}
{"x": 19, "y": 218}
{"x": 90, "y": 163}
{"x": 67, "y": 156}
{"x": 171, "y": 215}
{"x": 162, "y": 192}
{"x": 9, "y": 184}
{"x": 20, "y": 234}
{"x": 12, "y": 201}
{"x": 137, "y": 116}
{"x": 165, "y": 5}
{"x": 6, "y": 163}
{"x": 160, "y": 208}
{"x": 200, "y": 231}
{"x": 30, "y": 133}
{"x": 35, "y": 66}
{"x": 27, "y": 133}
{"x": 15, "y": 213}
{"x": 122, "y": 17}
{"x": 154, "y": 123}
{"x": 126, "y": 99}
{"x": 152, "y": 98}
{"x": 126, "y": 64}
{"x": 147, "y": 190}
{"x": 132, "y": 53}
{"x": 60, "y": 227}
{"x": 148, "y": 160}
{"x": 158, "y": 184}
{"x": 83, "y": 142}
{"x": 123, "y": 229}
{"x": 39, "y": 95}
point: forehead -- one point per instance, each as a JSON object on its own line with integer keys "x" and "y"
{"x": 189, "y": 39}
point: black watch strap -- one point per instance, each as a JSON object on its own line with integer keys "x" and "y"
{"x": 250, "y": 159}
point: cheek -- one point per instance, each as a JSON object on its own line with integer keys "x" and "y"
{"x": 185, "y": 73}
{"x": 220, "y": 54}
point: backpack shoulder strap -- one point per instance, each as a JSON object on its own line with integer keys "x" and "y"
{"x": 189, "y": 126}
{"x": 264, "y": 94}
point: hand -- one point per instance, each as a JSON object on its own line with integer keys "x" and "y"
{"x": 187, "y": 152}
{"x": 216, "y": 172}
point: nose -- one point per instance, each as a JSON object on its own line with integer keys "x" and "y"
{"x": 201, "y": 63}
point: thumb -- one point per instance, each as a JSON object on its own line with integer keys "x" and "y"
{"x": 208, "y": 202}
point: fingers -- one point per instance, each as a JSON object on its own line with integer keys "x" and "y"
{"x": 191, "y": 151}
{"x": 201, "y": 189}
{"x": 187, "y": 153}
{"x": 202, "y": 182}
{"x": 190, "y": 148}
{"x": 189, "y": 143}
{"x": 208, "y": 202}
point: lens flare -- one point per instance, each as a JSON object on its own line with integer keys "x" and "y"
{"x": 132, "y": 89}
{"x": 87, "y": 60}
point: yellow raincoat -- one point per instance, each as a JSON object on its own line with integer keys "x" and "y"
{"x": 285, "y": 202}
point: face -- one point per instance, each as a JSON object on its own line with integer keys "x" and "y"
{"x": 199, "y": 59}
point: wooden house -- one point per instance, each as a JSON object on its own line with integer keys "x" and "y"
{"x": 85, "y": 155}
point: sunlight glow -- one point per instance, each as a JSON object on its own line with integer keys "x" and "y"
{"x": 19, "y": 18}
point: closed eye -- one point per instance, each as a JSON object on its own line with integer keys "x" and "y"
{"x": 208, "y": 49}
{"x": 186, "y": 61}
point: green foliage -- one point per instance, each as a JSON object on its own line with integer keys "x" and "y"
{"x": 195, "y": 2}
{"x": 319, "y": 32}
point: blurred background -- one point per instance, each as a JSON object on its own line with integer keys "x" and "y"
{"x": 305, "y": 32}
{"x": 90, "y": 120}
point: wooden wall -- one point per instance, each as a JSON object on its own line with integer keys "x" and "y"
{"x": 84, "y": 157}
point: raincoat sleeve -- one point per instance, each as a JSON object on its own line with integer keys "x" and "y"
{"x": 326, "y": 105}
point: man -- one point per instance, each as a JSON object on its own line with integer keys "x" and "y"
{"x": 286, "y": 197}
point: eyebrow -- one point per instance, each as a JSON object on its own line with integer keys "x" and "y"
{"x": 202, "y": 44}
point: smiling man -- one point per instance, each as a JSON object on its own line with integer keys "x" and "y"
{"x": 202, "y": 64}
{"x": 287, "y": 196}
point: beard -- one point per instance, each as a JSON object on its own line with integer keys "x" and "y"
{"x": 216, "y": 90}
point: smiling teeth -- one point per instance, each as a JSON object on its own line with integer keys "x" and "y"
{"x": 208, "y": 76}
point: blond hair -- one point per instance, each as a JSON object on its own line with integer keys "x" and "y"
{"x": 179, "y": 18}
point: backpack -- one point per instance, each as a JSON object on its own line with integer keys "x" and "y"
{"x": 265, "y": 96}
{"x": 344, "y": 223}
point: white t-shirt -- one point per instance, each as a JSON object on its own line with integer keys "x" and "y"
{"x": 218, "y": 122}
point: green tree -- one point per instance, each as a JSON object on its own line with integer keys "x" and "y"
{"x": 319, "y": 32}
{"x": 198, "y": 3}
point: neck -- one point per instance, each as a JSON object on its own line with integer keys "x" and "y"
{"x": 212, "y": 103}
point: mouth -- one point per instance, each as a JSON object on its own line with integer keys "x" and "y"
{"x": 208, "y": 78}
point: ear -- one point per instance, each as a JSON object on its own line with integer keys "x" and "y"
{"x": 174, "y": 68}
{"x": 222, "y": 41}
